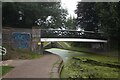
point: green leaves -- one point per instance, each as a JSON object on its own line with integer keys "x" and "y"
{"x": 100, "y": 16}
{"x": 33, "y": 11}
{"x": 86, "y": 16}
{"x": 109, "y": 20}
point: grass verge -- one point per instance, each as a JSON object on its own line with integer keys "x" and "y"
{"x": 5, "y": 69}
{"x": 21, "y": 54}
{"x": 14, "y": 53}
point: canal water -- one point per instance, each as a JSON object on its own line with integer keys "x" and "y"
{"x": 65, "y": 54}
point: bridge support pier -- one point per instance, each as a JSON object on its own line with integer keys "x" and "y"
{"x": 41, "y": 48}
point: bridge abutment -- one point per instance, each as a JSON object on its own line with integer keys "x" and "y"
{"x": 41, "y": 48}
{"x": 36, "y": 40}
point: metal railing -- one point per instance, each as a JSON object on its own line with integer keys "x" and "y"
{"x": 71, "y": 34}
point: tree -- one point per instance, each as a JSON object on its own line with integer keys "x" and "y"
{"x": 70, "y": 23}
{"x": 87, "y": 18}
{"x": 109, "y": 21}
{"x": 104, "y": 16}
{"x": 27, "y": 13}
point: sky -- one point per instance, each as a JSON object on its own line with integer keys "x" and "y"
{"x": 70, "y": 5}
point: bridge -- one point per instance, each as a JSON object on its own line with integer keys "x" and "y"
{"x": 72, "y": 40}
{"x": 71, "y": 35}
{"x": 32, "y": 38}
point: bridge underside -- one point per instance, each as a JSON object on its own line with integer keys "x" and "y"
{"x": 72, "y": 39}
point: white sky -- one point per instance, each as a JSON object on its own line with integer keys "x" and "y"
{"x": 71, "y": 6}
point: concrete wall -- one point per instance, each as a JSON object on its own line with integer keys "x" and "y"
{"x": 21, "y": 38}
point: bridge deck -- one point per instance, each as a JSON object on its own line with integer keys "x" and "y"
{"x": 71, "y": 39}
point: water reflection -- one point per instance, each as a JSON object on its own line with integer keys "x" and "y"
{"x": 65, "y": 54}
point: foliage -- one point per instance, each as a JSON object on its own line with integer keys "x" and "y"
{"x": 27, "y": 14}
{"x": 86, "y": 16}
{"x": 70, "y": 23}
{"x": 13, "y": 53}
{"x": 109, "y": 20}
{"x": 5, "y": 69}
{"x": 103, "y": 17}
{"x": 91, "y": 66}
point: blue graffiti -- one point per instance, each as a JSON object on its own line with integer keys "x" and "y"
{"x": 21, "y": 39}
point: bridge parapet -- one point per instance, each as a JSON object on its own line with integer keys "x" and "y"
{"x": 71, "y": 34}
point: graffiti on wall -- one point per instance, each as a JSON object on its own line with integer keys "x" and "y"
{"x": 21, "y": 40}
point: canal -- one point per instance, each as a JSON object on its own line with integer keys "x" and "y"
{"x": 87, "y": 65}
{"x": 65, "y": 54}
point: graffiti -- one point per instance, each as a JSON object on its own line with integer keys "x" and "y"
{"x": 21, "y": 39}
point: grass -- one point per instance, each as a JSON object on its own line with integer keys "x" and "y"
{"x": 45, "y": 43}
{"x": 13, "y": 53}
{"x": 21, "y": 54}
{"x": 68, "y": 46}
{"x": 91, "y": 66}
{"x": 5, "y": 69}
{"x": 64, "y": 44}
{"x": 30, "y": 56}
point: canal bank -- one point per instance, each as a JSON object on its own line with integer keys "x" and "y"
{"x": 85, "y": 65}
